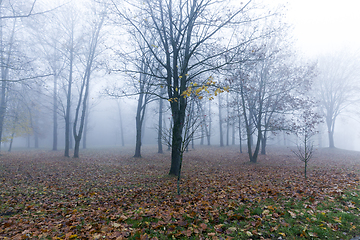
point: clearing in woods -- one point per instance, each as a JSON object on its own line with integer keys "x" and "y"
{"x": 108, "y": 194}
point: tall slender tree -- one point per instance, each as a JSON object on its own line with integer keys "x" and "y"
{"x": 91, "y": 52}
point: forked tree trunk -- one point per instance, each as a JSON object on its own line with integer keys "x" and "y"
{"x": 85, "y": 88}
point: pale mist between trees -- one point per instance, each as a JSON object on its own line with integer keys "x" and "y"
{"x": 173, "y": 74}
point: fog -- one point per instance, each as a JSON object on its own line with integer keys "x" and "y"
{"x": 318, "y": 30}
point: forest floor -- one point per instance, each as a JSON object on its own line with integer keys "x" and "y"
{"x": 108, "y": 194}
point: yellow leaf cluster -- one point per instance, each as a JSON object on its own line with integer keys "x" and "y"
{"x": 173, "y": 100}
{"x": 211, "y": 81}
{"x": 218, "y": 90}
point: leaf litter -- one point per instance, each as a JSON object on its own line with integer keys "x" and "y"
{"x": 107, "y": 194}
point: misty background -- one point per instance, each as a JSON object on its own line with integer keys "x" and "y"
{"x": 37, "y": 44}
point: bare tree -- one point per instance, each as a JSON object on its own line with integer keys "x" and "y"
{"x": 336, "y": 87}
{"x": 91, "y": 54}
{"x": 14, "y": 60}
{"x": 181, "y": 32}
{"x": 305, "y": 129}
{"x": 18, "y": 11}
{"x": 71, "y": 58}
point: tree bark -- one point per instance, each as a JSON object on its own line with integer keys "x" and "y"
{"x": 176, "y": 142}
{"x": 263, "y": 144}
{"x": 138, "y": 129}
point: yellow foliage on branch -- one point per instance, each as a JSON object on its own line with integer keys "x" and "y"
{"x": 195, "y": 90}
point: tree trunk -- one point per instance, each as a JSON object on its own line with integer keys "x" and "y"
{"x": 220, "y": 124}
{"x": 68, "y": 105}
{"x": 176, "y": 146}
{"x": 86, "y": 128}
{"x": 240, "y": 132}
{"x": 209, "y": 132}
{"x": 36, "y": 130}
{"x": 263, "y": 144}
{"x": 204, "y": 126}
{"x": 2, "y": 106}
{"x": 169, "y": 140}
{"x": 140, "y": 112}
{"x": 203, "y": 123}
{"x": 11, "y": 141}
{"x": 202, "y": 133}
{"x": 71, "y": 134}
{"x": 160, "y": 149}
{"x": 55, "y": 106}
{"x": 330, "y": 126}
{"x": 192, "y": 126}
{"x": 86, "y": 86}
{"x": 121, "y": 125}
{"x": 77, "y": 147}
{"x": 233, "y": 131}
{"x": 138, "y": 138}
{"x": 227, "y": 120}
{"x": 331, "y": 139}
{"x": 178, "y": 112}
{"x": 84, "y": 138}
{"x": 248, "y": 124}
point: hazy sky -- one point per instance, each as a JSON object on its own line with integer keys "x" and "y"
{"x": 320, "y": 25}
{"x": 323, "y": 25}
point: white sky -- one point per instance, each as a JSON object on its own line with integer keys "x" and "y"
{"x": 325, "y": 25}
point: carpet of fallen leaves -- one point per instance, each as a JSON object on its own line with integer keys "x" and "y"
{"x": 108, "y": 194}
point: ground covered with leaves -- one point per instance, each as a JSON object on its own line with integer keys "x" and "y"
{"x": 107, "y": 194}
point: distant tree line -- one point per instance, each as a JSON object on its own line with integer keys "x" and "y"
{"x": 182, "y": 55}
